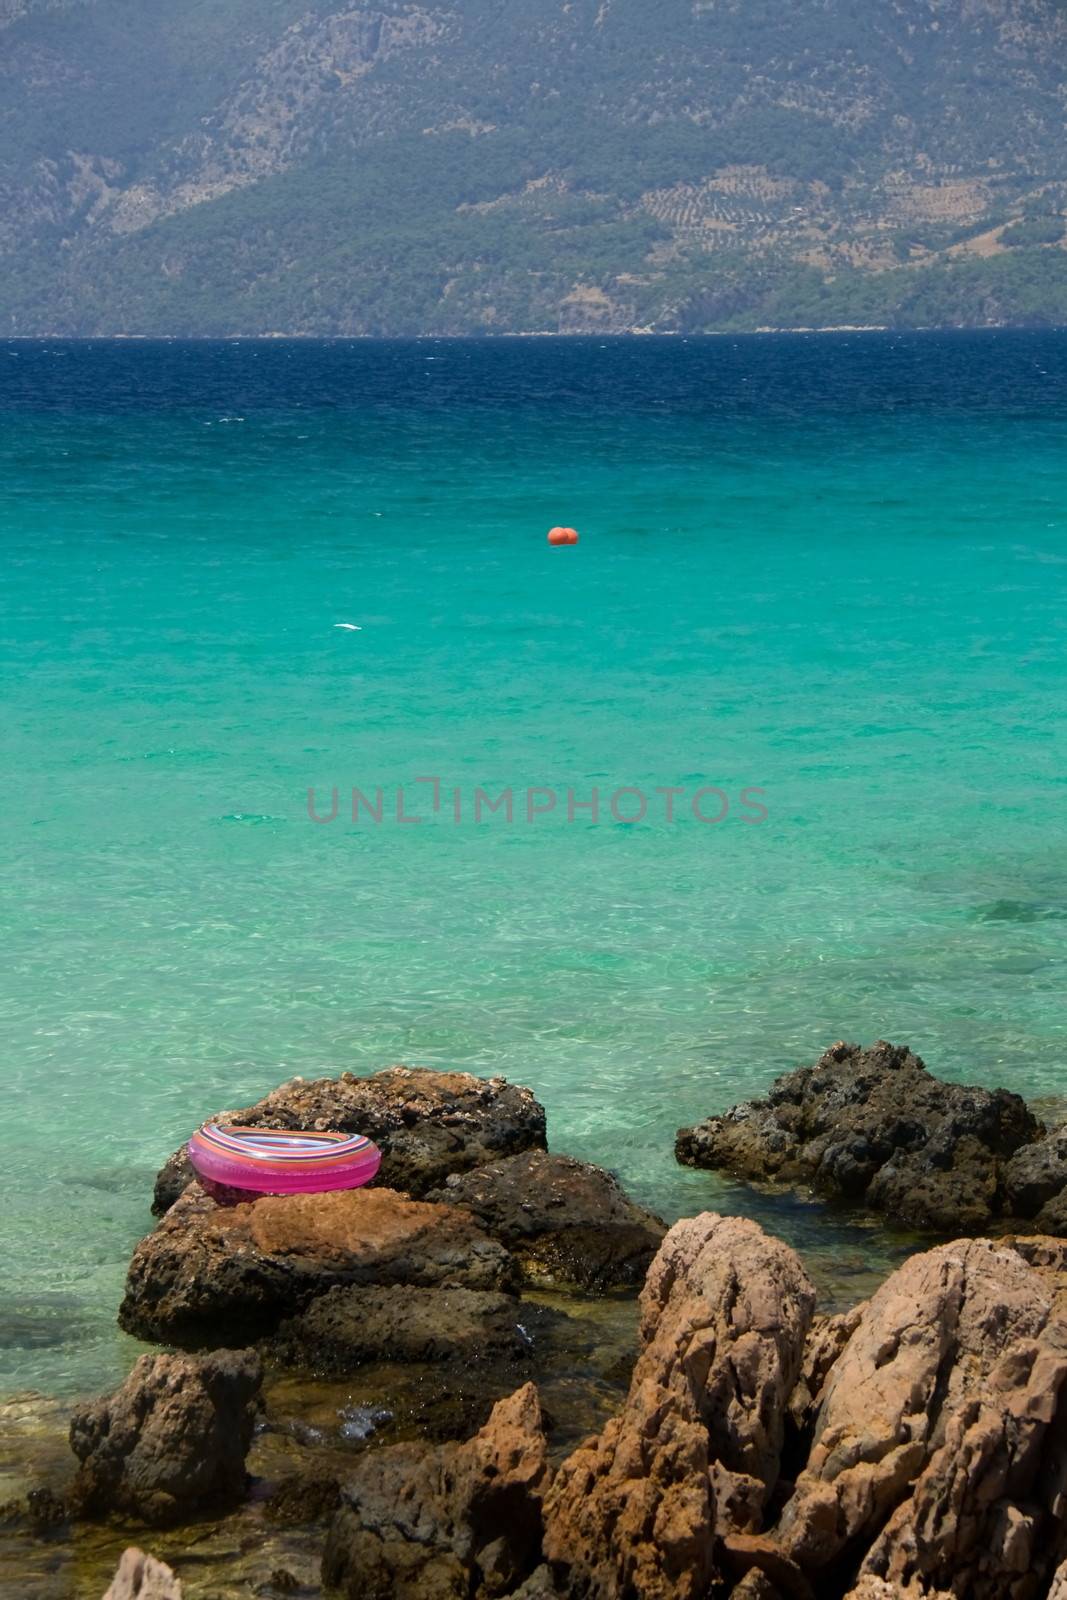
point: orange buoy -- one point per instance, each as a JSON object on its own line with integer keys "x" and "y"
{"x": 562, "y": 536}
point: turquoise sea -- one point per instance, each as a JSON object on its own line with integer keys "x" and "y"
{"x": 831, "y": 567}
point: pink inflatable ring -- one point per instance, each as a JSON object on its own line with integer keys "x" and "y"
{"x": 275, "y": 1161}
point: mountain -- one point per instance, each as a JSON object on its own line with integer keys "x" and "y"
{"x": 482, "y": 166}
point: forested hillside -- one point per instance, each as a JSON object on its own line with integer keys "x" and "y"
{"x": 484, "y": 166}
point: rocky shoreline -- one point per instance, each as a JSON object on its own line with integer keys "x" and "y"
{"x": 443, "y": 1385}
{"x": 873, "y": 1127}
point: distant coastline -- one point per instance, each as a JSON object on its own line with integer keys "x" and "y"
{"x": 278, "y": 336}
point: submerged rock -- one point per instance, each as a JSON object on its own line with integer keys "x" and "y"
{"x": 643, "y": 1508}
{"x": 172, "y": 1441}
{"x": 875, "y": 1127}
{"x": 567, "y": 1222}
{"x": 348, "y": 1327}
{"x": 307, "y": 1497}
{"x": 227, "y": 1274}
{"x": 141, "y": 1577}
{"x": 41, "y": 1512}
{"x": 427, "y": 1124}
{"x": 451, "y": 1522}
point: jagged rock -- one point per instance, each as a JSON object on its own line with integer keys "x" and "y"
{"x": 538, "y": 1586}
{"x": 427, "y": 1124}
{"x": 1058, "y": 1586}
{"x": 346, "y": 1327}
{"x": 171, "y": 1441}
{"x": 763, "y": 1570}
{"x": 445, "y": 1522}
{"x": 1052, "y": 1218}
{"x": 226, "y": 1274}
{"x": 567, "y": 1222}
{"x": 871, "y": 1588}
{"x": 1036, "y": 1176}
{"x": 756, "y": 1585}
{"x": 939, "y": 1455}
{"x": 1048, "y": 1257}
{"x": 642, "y": 1508}
{"x": 825, "y": 1342}
{"x": 141, "y": 1577}
{"x": 875, "y": 1127}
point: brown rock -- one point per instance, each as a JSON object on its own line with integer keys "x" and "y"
{"x": 640, "y": 1509}
{"x": 303, "y": 1497}
{"x": 141, "y": 1577}
{"x": 1048, "y": 1257}
{"x": 540, "y": 1585}
{"x": 825, "y": 1342}
{"x": 223, "y": 1274}
{"x": 347, "y": 1327}
{"x": 172, "y": 1441}
{"x": 755, "y": 1585}
{"x": 758, "y": 1561}
{"x": 427, "y": 1124}
{"x": 875, "y": 1127}
{"x": 566, "y": 1222}
{"x": 872, "y": 1588}
{"x": 1058, "y": 1587}
{"x": 445, "y": 1522}
{"x": 938, "y": 1458}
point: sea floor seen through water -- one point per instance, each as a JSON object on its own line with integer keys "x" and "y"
{"x": 831, "y": 569}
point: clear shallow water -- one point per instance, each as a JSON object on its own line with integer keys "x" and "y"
{"x": 833, "y": 568}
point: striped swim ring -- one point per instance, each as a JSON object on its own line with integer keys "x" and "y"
{"x": 275, "y": 1161}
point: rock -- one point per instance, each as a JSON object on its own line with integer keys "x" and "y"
{"x": 641, "y": 1509}
{"x": 762, "y": 1568}
{"x": 303, "y": 1497}
{"x": 172, "y": 1441}
{"x": 540, "y": 1586}
{"x": 41, "y": 1512}
{"x": 756, "y": 1585}
{"x": 1036, "y": 1175}
{"x": 281, "y": 1581}
{"x": 427, "y": 1124}
{"x": 939, "y": 1452}
{"x": 141, "y": 1577}
{"x": 875, "y": 1127}
{"x": 825, "y": 1342}
{"x": 1048, "y": 1257}
{"x": 445, "y": 1522}
{"x": 871, "y": 1588}
{"x": 221, "y": 1274}
{"x": 1052, "y": 1218}
{"x": 348, "y": 1327}
{"x": 1058, "y": 1587}
{"x": 567, "y": 1222}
